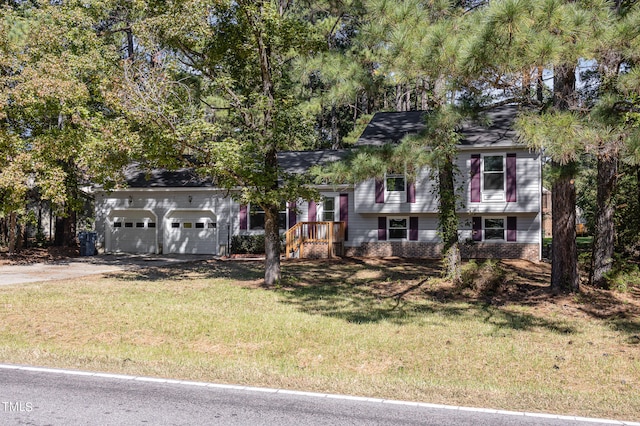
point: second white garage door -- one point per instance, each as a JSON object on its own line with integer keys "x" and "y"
{"x": 190, "y": 232}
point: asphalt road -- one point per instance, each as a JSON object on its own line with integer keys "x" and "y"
{"x": 33, "y": 396}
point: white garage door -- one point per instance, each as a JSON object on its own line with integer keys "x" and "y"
{"x": 132, "y": 232}
{"x": 190, "y": 232}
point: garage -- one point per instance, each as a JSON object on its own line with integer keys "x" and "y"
{"x": 132, "y": 231}
{"x": 190, "y": 232}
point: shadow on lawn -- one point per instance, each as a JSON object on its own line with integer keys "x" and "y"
{"x": 212, "y": 269}
{"x": 405, "y": 290}
{"x": 397, "y": 291}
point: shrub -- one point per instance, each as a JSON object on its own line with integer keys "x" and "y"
{"x": 485, "y": 277}
{"x": 247, "y": 244}
{"x": 250, "y": 244}
{"x": 624, "y": 275}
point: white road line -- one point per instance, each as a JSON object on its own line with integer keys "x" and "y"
{"x": 309, "y": 394}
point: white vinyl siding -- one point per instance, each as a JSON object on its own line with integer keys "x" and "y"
{"x": 528, "y": 178}
{"x": 426, "y": 199}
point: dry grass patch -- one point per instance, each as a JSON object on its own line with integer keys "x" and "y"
{"x": 379, "y": 327}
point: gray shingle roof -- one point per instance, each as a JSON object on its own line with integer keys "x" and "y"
{"x": 295, "y": 162}
{"x": 499, "y": 131}
{"x": 392, "y": 127}
{"x": 385, "y": 127}
{"x": 298, "y": 162}
{"x": 163, "y": 178}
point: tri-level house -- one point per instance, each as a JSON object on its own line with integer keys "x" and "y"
{"x": 499, "y": 184}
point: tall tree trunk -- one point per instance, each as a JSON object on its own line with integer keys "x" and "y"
{"x": 449, "y": 221}
{"x": 540, "y": 85}
{"x": 70, "y": 224}
{"x": 526, "y": 83}
{"x": 638, "y": 184}
{"x": 399, "y": 98}
{"x": 604, "y": 232}
{"x": 13, "y": 232}
{"x": 335, "y": 137}
{"x": 564, "y": 263}
{"x": 130, "y": 46}
{"x": 272, "y": 272}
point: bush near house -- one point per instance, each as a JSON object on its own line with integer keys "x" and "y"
{"x": 250, "y": 244}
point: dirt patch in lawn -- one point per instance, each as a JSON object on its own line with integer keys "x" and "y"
{"x": 38, "y": 255}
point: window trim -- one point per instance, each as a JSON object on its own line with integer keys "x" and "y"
{"x": 258, "y": 210}
{"x": 394, "y": 196}
{"x": 504, "y": 229}
{"x": 493, "y": 195}
{"x": 320, "y": 211}
{"x": 406, "y": 228}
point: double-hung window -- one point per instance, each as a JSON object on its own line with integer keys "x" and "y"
{"x": 498, "y": 229}
{"x": 328, "y": 209}
{"x": 493, "y": 178}
{"x": 395, "y": 188}
{"x": 397, "y": 228}
{"x": 257, "y": 217}
{"x": 494, "y": 229}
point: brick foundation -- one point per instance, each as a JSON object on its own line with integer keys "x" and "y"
{"x": 318, "y": 250}
{"x": 501, "y": 251}
{"x": 395, "y": 248}
{"x": 433, "y": 250}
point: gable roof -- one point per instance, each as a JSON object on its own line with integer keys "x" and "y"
{"x": 498, "y": 132}
{"x": 299, "y": 162}
{"x": 137, "y": 177}
{"x": 392, "y": 127}
{"x": 384, "y": 128}
{"x": 293, "y": 162}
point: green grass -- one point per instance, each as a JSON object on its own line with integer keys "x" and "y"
{"x": 377, "y": 328}
{"x": 582, "y": 242}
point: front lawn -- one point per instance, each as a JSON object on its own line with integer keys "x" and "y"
{"x": 383, "y": 328}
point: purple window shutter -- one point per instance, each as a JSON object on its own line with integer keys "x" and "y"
{"x": 512, "y": 228}
{"x": 411, "y": 192}
{"x": 293, "y": 215}
{"x": 382, "y": 228}
{"x": 243, "y": 217}
{"x": 477, "y": 229}
{"x": 475, "y": 178}
{"x": 344, "y": 214}
{"x": 413, "y": 228}
{"x": 312, "y": 212}
{"x": 379, "y": 191}
{"x": 511, "y": 178}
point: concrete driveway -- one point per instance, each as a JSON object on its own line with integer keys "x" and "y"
{"x": 82, "y": 266}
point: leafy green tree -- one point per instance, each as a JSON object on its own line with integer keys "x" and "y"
{"x": 218, "y": 84}
{"x": 53, "y": 73}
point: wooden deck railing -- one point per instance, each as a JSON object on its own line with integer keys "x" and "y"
{"x": 305, "y": 233}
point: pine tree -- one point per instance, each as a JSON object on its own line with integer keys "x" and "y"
{"x": 554, "y": 35}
